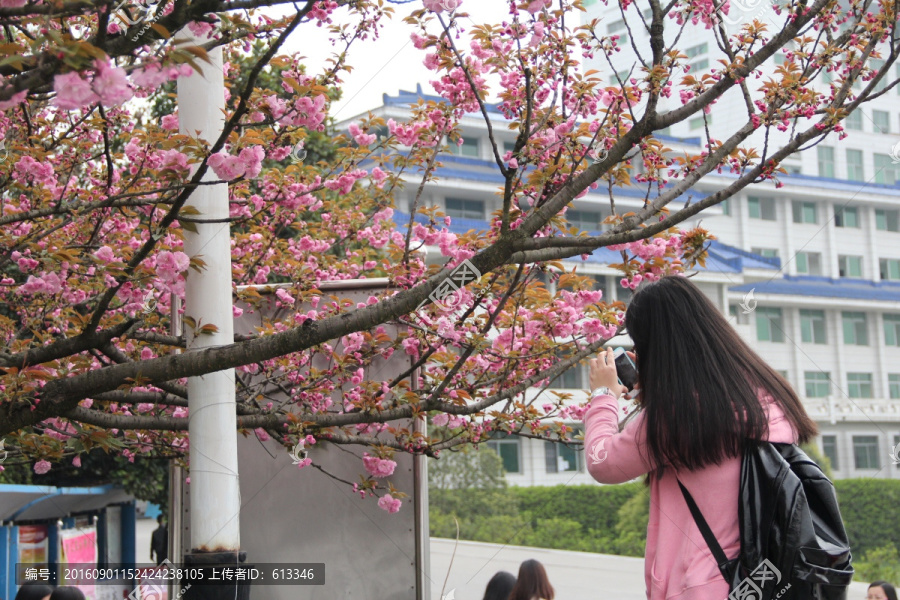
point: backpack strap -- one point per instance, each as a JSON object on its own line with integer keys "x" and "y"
{"x": 703, "y": 526}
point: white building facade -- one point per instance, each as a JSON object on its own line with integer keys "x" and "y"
{"x": 829, "y": 319}
{"x": 826, "y": 306}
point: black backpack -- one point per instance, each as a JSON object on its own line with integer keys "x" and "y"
{"x": 793, "y": 542}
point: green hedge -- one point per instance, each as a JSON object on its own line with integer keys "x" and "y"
{"x": 612, "y": 519}
{"x": 869, "y": 508}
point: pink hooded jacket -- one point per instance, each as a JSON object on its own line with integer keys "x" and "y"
{"x": 678, "y": 564}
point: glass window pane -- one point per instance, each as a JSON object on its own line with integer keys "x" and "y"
{"x": 854, "y": 326}
{"x": 826, "y": 161}
{"x": 892, "y": 330}
{"x": 865, "y": 452}
{"x": 855, "y": 171}
{"x": 894, "y": 386}
{"x": 829, "y": 449}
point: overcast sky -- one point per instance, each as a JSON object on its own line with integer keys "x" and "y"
{"x": 386, "y": 65}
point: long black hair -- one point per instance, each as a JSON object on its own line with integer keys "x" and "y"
{"x": 889, "y": 590}
{"x": 67, "y": 593}
{"x": 699, "y": 380}
{"x": 34, "y": 591}
{"x": 500, "y": 586}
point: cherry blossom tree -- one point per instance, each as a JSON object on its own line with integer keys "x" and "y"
{"x": 95, "y": 195}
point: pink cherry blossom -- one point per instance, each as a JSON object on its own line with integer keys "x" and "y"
{"x": 20, "y": 96}
{"x": 111, "y": 84}
{"x": 105, "y": 254}
{"x": 43, "y": 466}
{"x": 442, "y": 5}
{"x": 389, "y": 503}
{"x": 378, "y": 467}
{"x": 169, "y": 265}
{"x": 535, "y": 6}
{"x": 72, "y": 91}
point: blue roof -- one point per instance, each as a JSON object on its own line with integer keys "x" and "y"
{"x": 722, "y": 258}
{"x": 404, "y": 98}
{"x": 741, "y": 259}
{"x": 826, "y": 287}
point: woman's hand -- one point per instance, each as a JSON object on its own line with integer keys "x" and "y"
{"x": 603, "y": 373}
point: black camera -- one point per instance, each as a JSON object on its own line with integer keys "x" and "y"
{"x": 625, "y": 369}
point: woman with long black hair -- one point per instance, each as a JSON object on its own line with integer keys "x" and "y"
{"x": 704, "y": 395}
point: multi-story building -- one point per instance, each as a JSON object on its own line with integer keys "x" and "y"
{"x": 829, "y": 319}
{"x": 807, "y": 273}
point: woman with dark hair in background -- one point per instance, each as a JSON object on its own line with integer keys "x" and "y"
{"x": 703, "y": 395}
{"x": 67, "y": 593}
{"x": 881, "y": 590}
{"x": 34, "y": 591}
{"x": 532, "y": 583}
{"x": 500, "y": 586}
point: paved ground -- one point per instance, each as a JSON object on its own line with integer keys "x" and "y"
{"x": 574, "y": 575}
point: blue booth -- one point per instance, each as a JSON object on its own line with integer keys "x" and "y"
{"x": 54, "y": 526}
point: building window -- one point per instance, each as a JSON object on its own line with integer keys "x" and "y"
{"x": 889, "y": 269}
{"x": 817, "y": 383}
{"x": 886, "y": 170}
{"x": 882, "y": 121}
{"x": 769, "y": 324}
{"x": 761, "y": 208}
{"x": 865, "y": 452}
{"x": 804, "y": 212}
{"x": 618, "y": 26}
{"x": 695, "y": 51}
{"x": 855, "y": 329}
{"x": 894, "y": 386}
{"x": 698, "y": 123}
{"x": 585, "y": 220}
{"x": 892, "y": 330}
{"x": 469, "y": 147}
{"x": 699, "y": 65}
{"x": 809, "y": 263}
{"x": 600, "y": 285}
{"x": 623, "y": 75}
{"x": 887, "y": 220}
{"x": 464, "y": 209}
{"x": 850, "y": 266}
{"x": 859, "y": 385}
{"x": 507, "y": 446}
{"x": 877, "y": 66}
{"x": 846, "y": 216}
{"x": 826, "y": 161}
{"x": 766, "y": 252}
{"x": 855, "y": 170}
{"x": 570, "y": 379}
{"x": 560, "y": 458}
{"x": 812, "y": 326}
{"x": 829, "y": 449}
{"x": 726, "y": 207}
{"x": 854, "y": 120}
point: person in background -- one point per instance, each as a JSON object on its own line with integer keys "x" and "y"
{"x": 34, "y": 591}
{"x": 67, "y": 592}
{"x": 881, "y": 590}
{"x": 159, "y": 542}
{"x": 704, "y": 396}
{"x": 500, "y": 586}
{"x": 532, "y": 583}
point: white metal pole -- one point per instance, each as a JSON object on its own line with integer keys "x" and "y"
{"x": 215, "y": 495}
